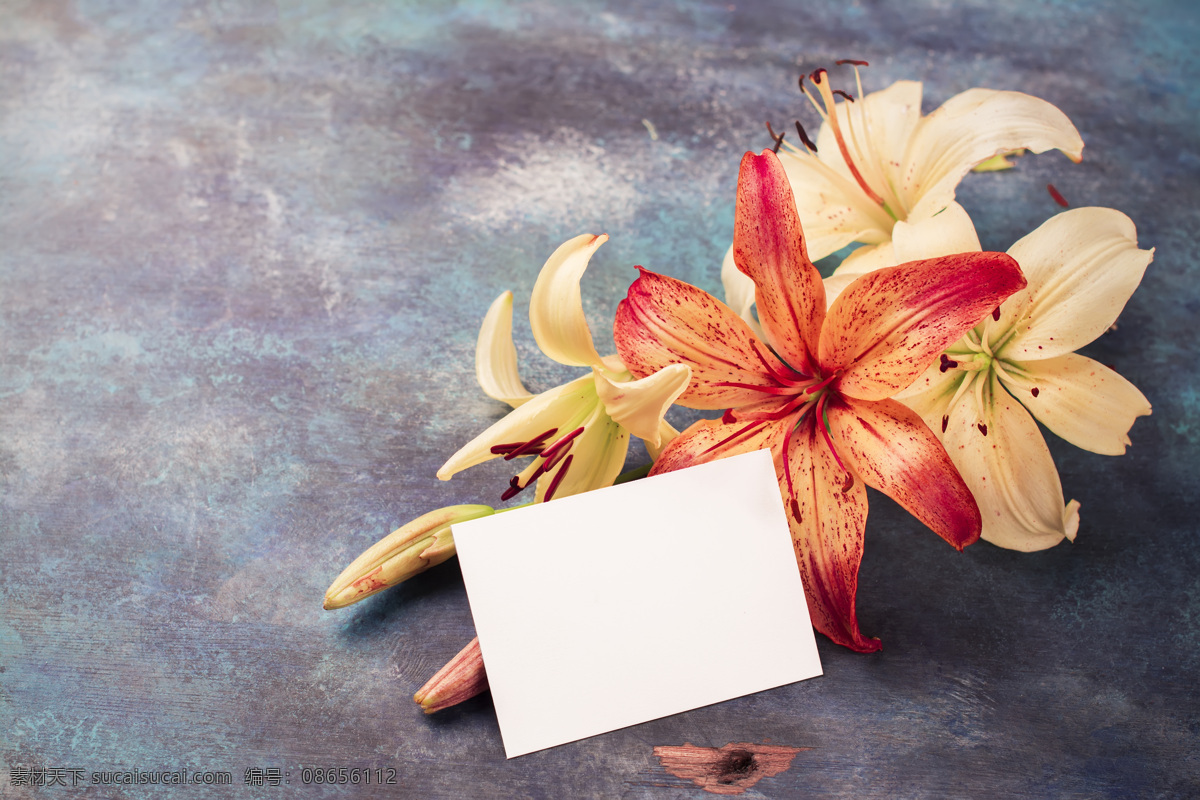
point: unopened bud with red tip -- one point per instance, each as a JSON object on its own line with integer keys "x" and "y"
{"x": 461, "y": 679}
{"x": 423, "y": 543}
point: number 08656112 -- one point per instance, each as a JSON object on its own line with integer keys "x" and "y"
{"x": 335, "y": 775}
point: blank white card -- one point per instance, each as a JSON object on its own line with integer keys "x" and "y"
{"x": 626, "y": 604}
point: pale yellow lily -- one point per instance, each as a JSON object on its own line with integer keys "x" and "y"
{"x": 1082, "y": 267}
{"x": 577, "y": 433}
{"x": 878, "y": 163}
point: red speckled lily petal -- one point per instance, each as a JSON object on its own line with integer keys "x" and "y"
{"x": 665, "y": 321}
{"x": 768, "y": 246}
{"x": 827, "y": 515}
{"x": 889, "y": 325}
{"x": 894, "y": 451}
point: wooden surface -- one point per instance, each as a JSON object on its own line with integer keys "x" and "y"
{"x": 244, "y": 251}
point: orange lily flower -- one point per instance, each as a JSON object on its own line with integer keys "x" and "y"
{"x": 817, "y": 391}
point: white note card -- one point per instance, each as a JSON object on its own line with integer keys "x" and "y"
{"x": 631, "y": 603}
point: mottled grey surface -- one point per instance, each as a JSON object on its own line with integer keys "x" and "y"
{"x": 245, "y": 250}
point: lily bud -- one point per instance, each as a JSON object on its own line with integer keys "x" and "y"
{"x": 423, "y": 543}
{"x": 461, "y": 679}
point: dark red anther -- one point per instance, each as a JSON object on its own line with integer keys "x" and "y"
{"x": 549, "y": 452}
{"x": 816, "y": 75}
{"x": 982, "y": 428}
{"x": 846, "y": 95}
{"x": 1058, "y": 198}
{"x": 728, "y": 417}
{"x": 514, "y": 489}
{"x": 840, "y": 62}
{"x": 996, "y": 313}
{"x": 946, "y": 364}
{"x": 531, "y": 448}
{"x": 804, "y": 136}
{"x": 849, "y": 483}
{"x": 777, "y": 138}
{"x": 1034, "y": 391}
{"x": 557, "y": 456}
{"x": 557, "y": 479}
{"x": 796, "y": 510}
{"x": 945, "y": 422}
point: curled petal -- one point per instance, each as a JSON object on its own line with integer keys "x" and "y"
{"x": 639, "y": 406}
{"x": 1081, "y": 400}
{"x": 969, "y": 129}
{"x": 496, "y": 357}
{"x": 666, "y": 435}
{"x": 1082, "y": 266}
{"x": 596, "y": 458}
{"x": 888, "y": 445}
{"x": 768, "y": 246}
{"x": 739, "y": 292}
{"x": 556, "y": 306}
{"x": 827, "y": 516}
{"x": 888, "y": 326}
{"x": 664, "y": 321}
{"x": 1001, "y": 455}
{"x": 552, "y": 409}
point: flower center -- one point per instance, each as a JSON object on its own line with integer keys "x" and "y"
{"x": 800, "y": 395}
{"x": 854, "y": 137}
{"x": 978, "y": 361}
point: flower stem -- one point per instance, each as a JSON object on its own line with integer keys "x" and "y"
{"x": 633, "y": 474}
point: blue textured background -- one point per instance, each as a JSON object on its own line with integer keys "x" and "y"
{"x": 244, "y": 251}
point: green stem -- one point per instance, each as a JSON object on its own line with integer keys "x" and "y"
{"x": 633, "y": 474}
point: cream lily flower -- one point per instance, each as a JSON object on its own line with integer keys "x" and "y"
{"x": 878, "y": 162}
{"x": 577, "y": 433}
{"x": 1082, "y": 266}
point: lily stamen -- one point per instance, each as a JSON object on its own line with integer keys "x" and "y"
{"x": 788, "y": 409}
{"x": 819, "y": 386}
{"x": 557, "y": 456}
{"x": 804, "y": 137}
{"x": 857, "y": 74}
{"x": 558, "y": 477}
{"x": 797, "y": 377}
{"x": 824, "y": 427}
{"x": 550, "y": 451}
{"x": 820, "y": 80}
{"x": 530, "y": 448}
{"x": 758, "y": 387}
{"x": 777, "y": 138}
{"x": 733, "y": 436}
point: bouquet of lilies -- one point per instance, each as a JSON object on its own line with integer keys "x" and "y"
{"x": 917, "y": 368}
